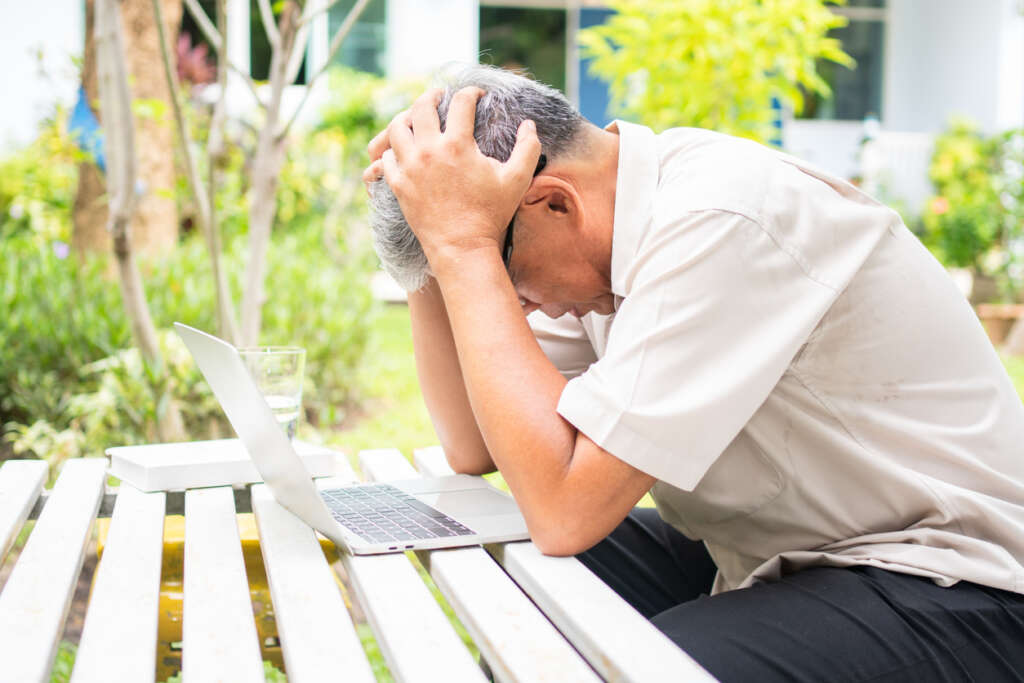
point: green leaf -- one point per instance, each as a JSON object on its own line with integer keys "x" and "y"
{"x": 710, "y": 64}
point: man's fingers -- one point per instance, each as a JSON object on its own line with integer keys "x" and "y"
{"x": 389, "y": 166}
{"x": 382, "y": 140}
{"x": 400, "y": 135}
{"x": 523, "y": 161}
{"x": 373, "y": 173}
{"x": 462, "y": 112}
{"x": 377, "y": 145}
{"x": 425, "y": 123}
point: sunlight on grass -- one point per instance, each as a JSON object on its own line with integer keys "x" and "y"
{"x": 1015, "y": 367}
{"x": 393, "y": 414}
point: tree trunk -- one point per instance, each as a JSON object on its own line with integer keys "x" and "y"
{"x": 266, "y": 168}
{"x": 202, "y": 195}
{"x": 119, "y": 132}
{"x": 155, "y": 225}
{"x": 89, "y": 213}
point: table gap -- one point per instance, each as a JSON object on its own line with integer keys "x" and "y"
{"x": 75, "y": 620}
{"x": 171, "y": 603}
{"x": 12, "y": 556}
{"x": 371, "y": 648}
{"x": 445, "y": 607}
{"x": 259, "y": 592}
{"x": 67, "y": 646}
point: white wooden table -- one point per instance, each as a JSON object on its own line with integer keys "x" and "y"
{"x": 532, "y": 617}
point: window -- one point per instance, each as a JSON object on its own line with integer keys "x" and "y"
{"x": 196, "y": 37}
{"x": 856, "y": 93}
{"x": 525, "y": 38}
{"x": 365, "y": 47}
{"x": 259, "y": 47}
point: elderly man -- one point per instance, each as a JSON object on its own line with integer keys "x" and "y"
{"x": 834, "y": 447}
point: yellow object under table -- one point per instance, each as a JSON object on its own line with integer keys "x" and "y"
{"x": 171, "y": 578}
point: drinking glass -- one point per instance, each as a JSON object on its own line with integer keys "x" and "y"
{"x": 278, "y": 373}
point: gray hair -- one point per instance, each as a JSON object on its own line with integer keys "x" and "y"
{"x": 510, "y": 99}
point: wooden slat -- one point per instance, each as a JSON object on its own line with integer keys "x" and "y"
{"x": 219, "y": 631}
{"x": 318, "y": 639}
{"x": 514, "y": 637}
{"x": 616, "y": 639}
{"x": 120, "y": 631}
{"x": 21, "y": 482}
{"x": 414, "y": 635}
{"x": 38, "y": 592}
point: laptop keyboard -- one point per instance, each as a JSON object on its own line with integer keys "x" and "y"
{"x": 381, "y": 513}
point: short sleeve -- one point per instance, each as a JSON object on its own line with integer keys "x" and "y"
{"x": 564, "y": 341}
{"x": 715, "y": 311}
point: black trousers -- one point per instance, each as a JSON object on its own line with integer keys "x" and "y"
{"x": 819, "y": 624}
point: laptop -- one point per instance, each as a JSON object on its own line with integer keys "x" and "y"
{"x": 365, "y": 519}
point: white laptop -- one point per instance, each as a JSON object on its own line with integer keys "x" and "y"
{"x": 414, "y": 514}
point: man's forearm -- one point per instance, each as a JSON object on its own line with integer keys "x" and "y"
{"x": 442, "y": 385}
{"x": 512, "y": 386}
{"x": 572, "y": 492}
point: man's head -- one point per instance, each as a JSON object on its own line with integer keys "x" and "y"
{"x": 509, "y": 100}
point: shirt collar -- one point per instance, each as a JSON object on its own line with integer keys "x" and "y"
{"x": 635, "y": 186}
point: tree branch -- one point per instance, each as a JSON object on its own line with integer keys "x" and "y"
{"x": 216, "y": 151}
{"x": 225, "y": 311}
{"x": 317, "y": 12}
{"x": 205, "y": 25}
{"x": 213, "y": 37}
{"x": 119, "y": 133}
{"x": 267, "y": 19}
{"x": 343, "y": 31}
{"x": 249, "y": 82}
{"x": 299, "y": 46}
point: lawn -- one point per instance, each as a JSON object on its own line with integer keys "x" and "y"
{"x": 392, "y": 414}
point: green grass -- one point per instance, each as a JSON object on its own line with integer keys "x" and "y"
{"x": 392, "y": 414}
{"x": 1015, "y": 367}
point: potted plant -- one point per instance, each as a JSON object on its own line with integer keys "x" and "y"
{"x": 974, "y": 219}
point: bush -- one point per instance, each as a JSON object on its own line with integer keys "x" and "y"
{"x": 37, "y": 186}
{"x": 716, "y": 64}
{"x": 74, "y": 384}
{"x": 975, "y": 218}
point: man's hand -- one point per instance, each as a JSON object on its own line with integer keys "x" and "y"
{"x": 454, "y": 197}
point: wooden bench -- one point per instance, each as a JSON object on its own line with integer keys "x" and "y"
{"x": 532, "y": 617}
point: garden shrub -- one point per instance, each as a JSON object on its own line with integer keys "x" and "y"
{"x": 716, "y": 65}
{"x": 73, "y": 382}
{"x": 975, "y": 218}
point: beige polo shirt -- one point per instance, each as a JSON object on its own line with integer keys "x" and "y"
{"x": 800, "y": 374}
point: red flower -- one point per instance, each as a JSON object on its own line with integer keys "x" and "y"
{"x": 940, "y": 205}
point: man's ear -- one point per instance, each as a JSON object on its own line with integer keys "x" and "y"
{"x": 555, "y": 197}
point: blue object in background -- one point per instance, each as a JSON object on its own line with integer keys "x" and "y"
{"x": 776, "y": 140}
{"x": 85, "y": 130}
{"x": 594, "y": 98}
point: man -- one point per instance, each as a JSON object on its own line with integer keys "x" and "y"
{"x": 831, "y": 441}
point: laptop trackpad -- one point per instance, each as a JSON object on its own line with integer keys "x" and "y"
{"x": 470, "y": 503}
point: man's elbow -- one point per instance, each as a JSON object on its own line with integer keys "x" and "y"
{"x": 562, "y": 540}
{"x": 463, "y": 464}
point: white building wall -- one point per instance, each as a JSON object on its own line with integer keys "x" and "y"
{"x": 423, "y": 36}
{"x": 953, "y": 57}
{"x": 1010, "y": 103}
{"x": 36, "y": 50}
